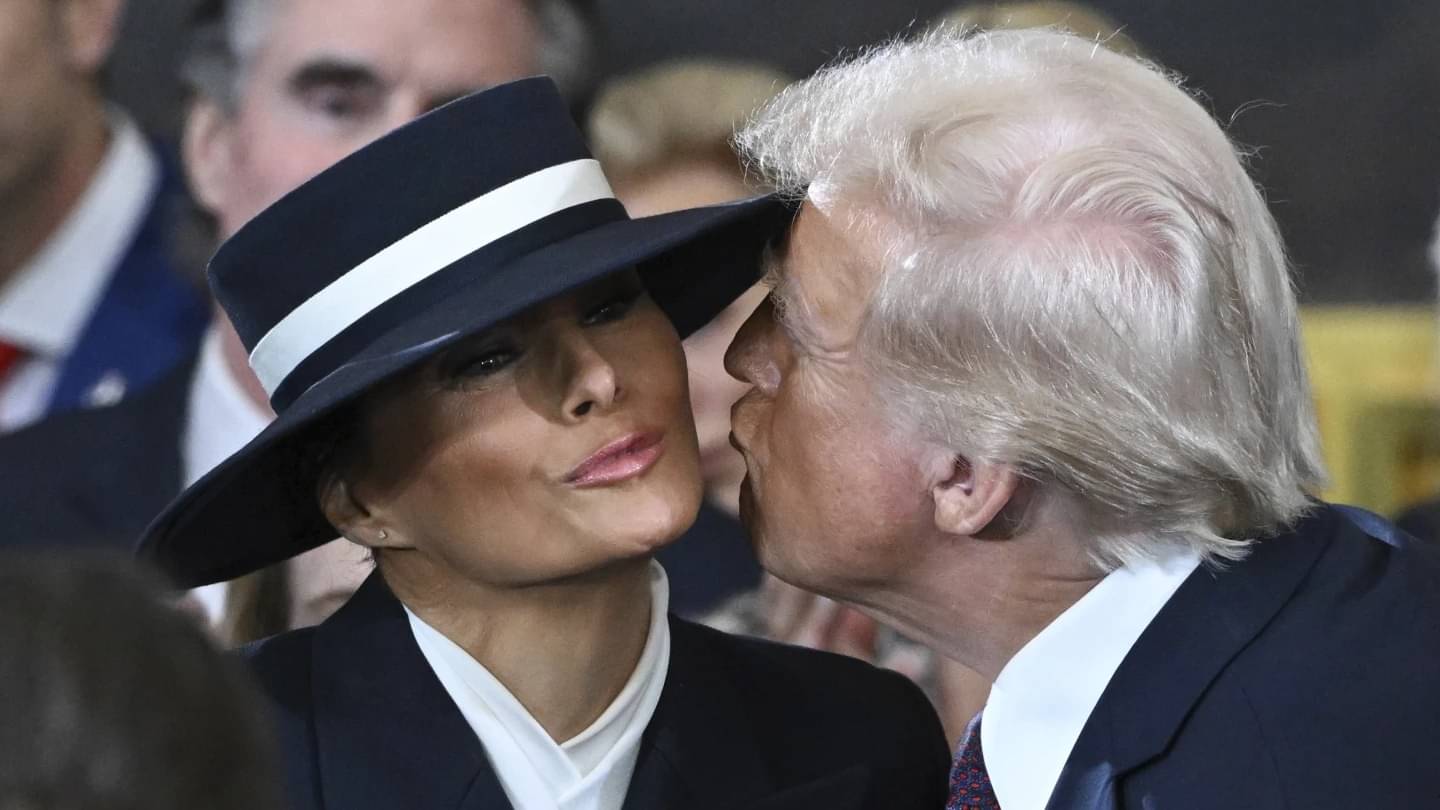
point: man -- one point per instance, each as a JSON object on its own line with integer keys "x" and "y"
{"x": 91, "y": 305}
{"x": 281, "y": 90}
{"x": 1029, "y": 387}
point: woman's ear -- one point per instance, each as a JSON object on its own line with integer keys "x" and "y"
{"x": 971, "y": 495}
{"x": 352, "y": 518}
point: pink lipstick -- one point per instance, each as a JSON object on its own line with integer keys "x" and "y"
{"x": 621, "y": 460}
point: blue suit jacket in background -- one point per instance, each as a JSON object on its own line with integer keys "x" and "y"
{"x": 148, "y": 319}
{"x": 1306, "y": 676}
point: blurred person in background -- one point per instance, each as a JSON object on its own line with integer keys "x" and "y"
{"x": 300, "y": 592}
{"x": 1030, "y": 386}
{"x": 475, "y": 358}
{"x": 280, "y": 89}
{"x": 92, "y": 307}
{"x": 112, "y": 699}
{"x": 1076, "y": 18}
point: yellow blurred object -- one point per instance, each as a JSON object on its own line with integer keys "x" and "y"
{"x": 1377, "y": 394}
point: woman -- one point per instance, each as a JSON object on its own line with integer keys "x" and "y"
{"x": 467, "y": 345}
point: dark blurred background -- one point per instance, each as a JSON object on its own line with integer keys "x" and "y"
{"x": 1341, "y": 99}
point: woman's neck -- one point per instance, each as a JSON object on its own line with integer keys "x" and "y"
{"x": 565, "y": 650}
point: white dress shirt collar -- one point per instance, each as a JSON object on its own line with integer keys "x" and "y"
{"x": 220, "y": 418}
{"x": 1043, "y": 697}
{"x": 589, "y": 772}
{"x": 46, "y": 306}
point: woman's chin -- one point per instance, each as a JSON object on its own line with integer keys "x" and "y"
{"x": 645, "y": 528}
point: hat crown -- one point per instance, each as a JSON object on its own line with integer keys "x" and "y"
{"x": 376, "y": 197}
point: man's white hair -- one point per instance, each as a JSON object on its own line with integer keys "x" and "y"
{"x": 1079, "y": 279}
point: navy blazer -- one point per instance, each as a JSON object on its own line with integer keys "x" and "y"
{"x": 1306, "y": 676}
{"x": 365, "y": 725}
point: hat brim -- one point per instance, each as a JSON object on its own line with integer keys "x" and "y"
{"x": 254, "y": 509}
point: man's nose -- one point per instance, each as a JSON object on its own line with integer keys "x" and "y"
{"x": 749, "y": 358}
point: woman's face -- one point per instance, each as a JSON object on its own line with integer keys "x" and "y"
{"x": 544, "y": 448}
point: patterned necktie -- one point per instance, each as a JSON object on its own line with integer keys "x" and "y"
{"x": 969, "y": 782}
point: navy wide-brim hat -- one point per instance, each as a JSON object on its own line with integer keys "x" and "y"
{"x": 442, "y": 228}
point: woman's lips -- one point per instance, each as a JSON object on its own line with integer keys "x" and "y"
{"x": 621, "y": 460}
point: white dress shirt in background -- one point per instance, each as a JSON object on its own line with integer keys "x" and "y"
{"x": 589, "y": 772}
{"x": 1043, "y": 697}
{"x": 44, "y": 309}
{"x": 220, "y": 419}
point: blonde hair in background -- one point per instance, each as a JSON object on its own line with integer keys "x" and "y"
{"x": 1079, "y": 279}
{"x": 680, "y": 110}
{"x": 1076, "y": 18}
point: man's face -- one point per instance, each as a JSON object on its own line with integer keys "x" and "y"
{"x": 329, "y": 76}
{"x": 833, "y": 496}
{"x": 39, "y": 83}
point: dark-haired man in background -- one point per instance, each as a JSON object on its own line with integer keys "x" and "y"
{"x": 91, "y": 307}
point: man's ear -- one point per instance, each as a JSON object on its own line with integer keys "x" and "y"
{"x": 971, "y": 496}
{"x": 89, "y": 28}
{"x": 352, "y": 518}
{"x": 207, "y": 148}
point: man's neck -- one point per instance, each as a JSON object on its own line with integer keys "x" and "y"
{"x": 979, "y": 602}
{"x": 35, "y": 208}
{"x": 565, "y": 650}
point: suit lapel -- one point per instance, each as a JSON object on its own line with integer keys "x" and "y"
{"x": 701, "y": 751}
{"x": 1211, "y": 618}
{"x": 387, "y": 734}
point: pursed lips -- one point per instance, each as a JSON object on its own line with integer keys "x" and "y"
{"x": 619, "y": 460}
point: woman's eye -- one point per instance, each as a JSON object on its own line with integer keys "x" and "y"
{"x": 485, "y": 363}
{"x": 614, "y": 307}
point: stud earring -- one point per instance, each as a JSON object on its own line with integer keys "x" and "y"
{"x": 384, "y": 535}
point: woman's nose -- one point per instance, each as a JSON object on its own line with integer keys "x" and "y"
{"x": 590, "y": 379}
{"x": 749, "y": 358}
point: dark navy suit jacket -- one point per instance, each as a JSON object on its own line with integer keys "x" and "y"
{"x": 1306, "y": 676}
{"x": 365, "y": 725}
{"x": 97, "y": 476}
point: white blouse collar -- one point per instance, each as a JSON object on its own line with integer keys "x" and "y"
{"x": 588, "y": 772}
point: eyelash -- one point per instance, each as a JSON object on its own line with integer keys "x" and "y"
{"x": 615, "y": 307}
{"x": 489, "y": 361}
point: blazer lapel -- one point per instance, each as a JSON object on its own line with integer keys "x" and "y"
{"x": 387, "y": 734}
{"x": 1209, "y": 620}
{"x": 700, "y": 751}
